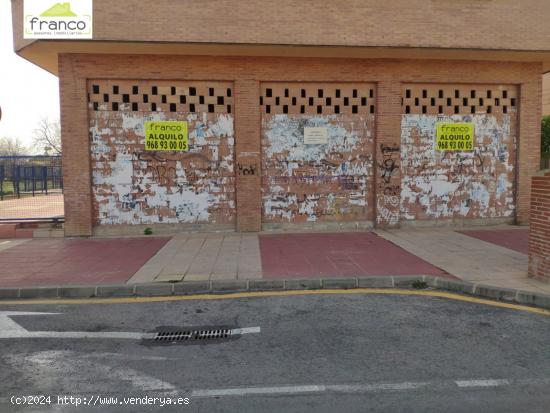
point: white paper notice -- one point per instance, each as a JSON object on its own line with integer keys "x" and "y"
{"x": 315, "y": 135}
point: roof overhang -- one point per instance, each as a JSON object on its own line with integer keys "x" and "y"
{"x": 44, "y": 53}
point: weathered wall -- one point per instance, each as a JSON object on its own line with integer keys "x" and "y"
{"x": 456, "y": 185}
{"x": 539, "y": 233}
{"x": 478, "y": 184}
{"x": 248, "y": 75}
{"x": 317, "y": 183}
{"x": 309, "y": 183}
{"x": 134, "y": 186}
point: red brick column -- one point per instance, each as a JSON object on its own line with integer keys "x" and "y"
{"x": 539, "y": 234}
{"x": 388, "y": 154}
{"x": 247, "y": 162}
{"x": 530, "y": 112}
{"x": 76, "y": 150}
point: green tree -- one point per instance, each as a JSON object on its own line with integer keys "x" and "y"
{"x": 545, "y": 136}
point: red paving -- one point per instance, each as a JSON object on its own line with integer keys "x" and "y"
{"x": 333, "y": 255}
{"x": 514, "y": 239}
{"x": 80, "y": 261}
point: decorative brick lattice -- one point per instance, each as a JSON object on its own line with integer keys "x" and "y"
{"x": 433, "y": 99}
{"x": 317, "y": 98}
{"x": 160, "y": 96}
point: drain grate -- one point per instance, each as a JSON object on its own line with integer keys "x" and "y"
{"x": 191, "y": 335}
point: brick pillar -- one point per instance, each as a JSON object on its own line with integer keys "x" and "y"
{"x": 530, "y": 113}
{"x": 539, "y": 233}
{"x": 388, "y": 154}
{"x": 76, "y": 151}
{"x": 247, "y": 148}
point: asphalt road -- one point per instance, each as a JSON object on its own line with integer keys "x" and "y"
{"x": 316, "y": 353}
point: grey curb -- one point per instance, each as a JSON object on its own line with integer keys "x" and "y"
{"x": 232, "y": 286}
{"x": 192, "y": 287}
{"x": 9, "y": 293}
{"x": 339, "y": 283}
{"x": 375, "y": 282}
{"x": 153, "y": 289}
{"x": 307, "y": 284}
{"x": 266, "y": 285}
{"x": 115, "y": 290}
{"x": 456, "y": 286}
{"x": 76, "y": 292}
{"x": 38, "y": 292}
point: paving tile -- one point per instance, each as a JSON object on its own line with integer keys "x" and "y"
{"x": 223, "y": 276}
{"x": 196, "y": 277}
{"x": 76, "y": 261}
{"x": 514, "y": 239}
{"x": 336, "y": 254}
{"x": 168, "y": 277}
{"x": 250, "y": 275}
{"x": 146, "y": 273}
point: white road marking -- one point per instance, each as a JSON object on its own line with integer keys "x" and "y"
{"x": 4, "y": 242}
{"x": 245, "y": 330}
{"x": 10, "y": 329}
{"x": 243, "y": 391}
{"x": 361, "y": 388}
{"x": 482, "y": 383}
{"x": 312, "y": 388}
{"x": 63, "y": 366}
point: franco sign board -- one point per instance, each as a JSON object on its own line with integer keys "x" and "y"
{"x": 315, "y": 135}
{"x": 166, "y": 136}
{"x": 454, "y": 136}
{"x": 49, "y": 19}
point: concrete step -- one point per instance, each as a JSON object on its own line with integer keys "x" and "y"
{"x": 7, "y": 230}
{"x": 31, "y": 230}
{"x": 48, "y": 233}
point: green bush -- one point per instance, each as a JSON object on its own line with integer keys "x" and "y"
{"x": 545, "y": 135}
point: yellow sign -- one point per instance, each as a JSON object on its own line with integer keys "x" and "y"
{"x": 166, "y": 136}
{"x": 454, "y": 136}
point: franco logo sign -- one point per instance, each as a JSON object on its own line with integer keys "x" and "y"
{"x": 166, "y": 136}
{"x": 455, "y": 137}
{"x": 45, "y": 19}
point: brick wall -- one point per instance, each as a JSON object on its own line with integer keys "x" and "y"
{"x": 539, "y": 234}
{"x": 473, "y": 24}
{"x": 248, "y": 74}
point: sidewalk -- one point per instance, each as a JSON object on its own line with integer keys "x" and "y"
{"x": 474, "y": 256}
{"x": 197, "y": 257}
{"x": 493, "y": 255}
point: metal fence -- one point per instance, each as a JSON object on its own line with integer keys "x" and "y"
{"x": 31, "y": 187}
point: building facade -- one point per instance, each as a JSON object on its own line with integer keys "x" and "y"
{"x": 252, "y": 81}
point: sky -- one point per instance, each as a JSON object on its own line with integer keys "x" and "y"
{"x": 27, "y": 92}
